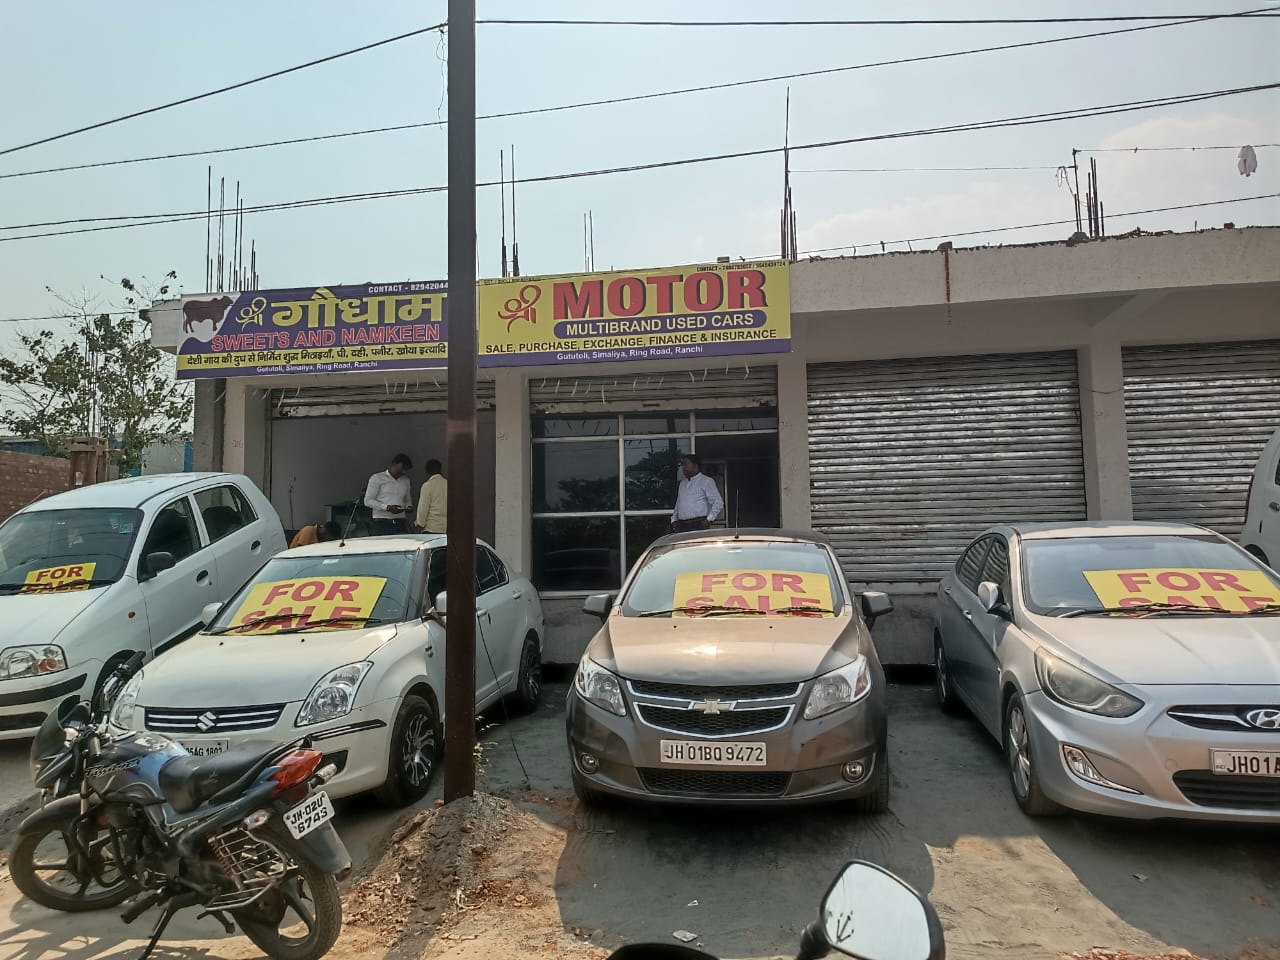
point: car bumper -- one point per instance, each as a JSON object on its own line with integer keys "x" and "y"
{"x": 357, "y": 743}
{"x": 24, "y": 703}
{"x": 1164, "y": 762}
{"x": 804, "y": 758}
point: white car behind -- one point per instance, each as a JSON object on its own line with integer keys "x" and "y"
{"x": 1261, "y": 535}
{"x": 332, "y": 641}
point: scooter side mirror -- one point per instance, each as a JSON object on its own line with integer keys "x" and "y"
{"x": 870, "y": 914}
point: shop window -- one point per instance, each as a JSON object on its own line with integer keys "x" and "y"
{"x": 560, "y": 427}
{"x": 577, "y": 554}
{"x": 642, "y": 531}
{"x": 656, "y": 423}
{"x": 739, "y": 420}
{"x": 653, "y": 472}
{"x": 580, "y": 477}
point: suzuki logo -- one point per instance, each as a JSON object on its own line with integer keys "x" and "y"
{"x": 714, "y": 706}
{"x": 1264, "y": 718}
{"x": 206, "y": 721}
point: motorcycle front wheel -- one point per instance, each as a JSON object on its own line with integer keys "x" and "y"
{"x": 50, "y": 868}
{"x": 302, "y": 917}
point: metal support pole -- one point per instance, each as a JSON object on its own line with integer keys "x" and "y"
{"x": 460, "y": 578}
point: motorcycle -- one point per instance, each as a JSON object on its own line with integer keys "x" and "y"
{"x": 868, "y": 914}
{"x": 246, "y": 834}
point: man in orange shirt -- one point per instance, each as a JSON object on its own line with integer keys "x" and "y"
{"x": 316, "y": 533}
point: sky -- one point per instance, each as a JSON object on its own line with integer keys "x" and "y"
{"x": 76, "y": 63}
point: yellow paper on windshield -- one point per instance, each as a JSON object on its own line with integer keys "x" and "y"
{"x": 297, "y": 603}
{"x": 71, "y": 576}
{"x": 1239, "y": 590}
{"x": 763, "y": 590}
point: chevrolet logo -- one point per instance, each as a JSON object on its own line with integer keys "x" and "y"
{"x": 714, "y": 706}
{"x": 206, "y": 721}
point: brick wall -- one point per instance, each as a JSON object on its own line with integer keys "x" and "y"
{"x": 25, "y": 478}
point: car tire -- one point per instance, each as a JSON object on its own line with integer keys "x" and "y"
{"x": 1024, "y": 777}
{"x": 943, "y": 684}
{"x": 877, "y": 801}
{"x": 1259, "y": 553}
{"x": 528, "y": 694}
{"x": 413, "y": 756}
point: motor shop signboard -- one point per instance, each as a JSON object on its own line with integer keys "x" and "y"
{"x": 387, "y": 326}
{"x": 690, "y": 312}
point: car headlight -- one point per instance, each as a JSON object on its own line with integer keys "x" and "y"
{"x": 125, "y": 707}
{"x": 334, "y": 696}
{"x": 34, "y": 660}
{"x": 597, "y": 685}
{"x": 839, "y": 688}
{"x": 1074, "y": 688}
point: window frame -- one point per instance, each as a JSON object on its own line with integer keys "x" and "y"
{"x": 1005, "y": 582}
{"x": 983, "y": 543}
{"x": 248, "y": 516}
{"x": 196, "y": 522}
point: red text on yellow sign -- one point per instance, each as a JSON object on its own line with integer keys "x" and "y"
{"x": 292, "y": 604}
{"x": 72, "y": 576}
{"x": 1239, "y": 590}
{"x": 763, "y": 590}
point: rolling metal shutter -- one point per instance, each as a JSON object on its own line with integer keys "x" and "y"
{"x": 722, "y": 388}
{"x": 1198, "y": 418}
{"x": 410, "y": 396}
{"x": 911, "y": 459}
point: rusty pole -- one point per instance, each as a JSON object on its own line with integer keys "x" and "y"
{"x": 460, "y": 577}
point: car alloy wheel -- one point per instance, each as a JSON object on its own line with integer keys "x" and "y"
{"x": 1019, "y": 751}
{"x": 414, "y": 750}
{"x": 529, "y": 683}
{"x": 944, "y": 685}
{"x": 418, "y": 750}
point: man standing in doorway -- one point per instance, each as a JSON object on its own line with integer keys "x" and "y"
{"x": 433, "y": 500}
{"x": 699, "y": 502}
{"x": 387, "y": 495}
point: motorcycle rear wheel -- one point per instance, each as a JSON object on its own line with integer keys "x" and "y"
{"x": 44, "y": 855}
{"x": 300, "y": 920}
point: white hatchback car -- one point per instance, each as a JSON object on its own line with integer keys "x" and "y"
{"x": 332, "y": 641}
{"x": 1261, "y": 535}
{"x": 91, "y": 576}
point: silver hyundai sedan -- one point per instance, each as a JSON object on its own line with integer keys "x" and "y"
{"x": 1129, "y": 669}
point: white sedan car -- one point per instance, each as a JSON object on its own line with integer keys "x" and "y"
{"x": 332, "y": 641}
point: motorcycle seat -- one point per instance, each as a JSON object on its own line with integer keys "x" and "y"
{"x": 187, "y": 782}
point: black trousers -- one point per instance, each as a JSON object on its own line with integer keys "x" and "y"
{"x": 684, "y": 526}
{"x": 384, "y": 527}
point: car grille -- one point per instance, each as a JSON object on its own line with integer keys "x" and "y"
{"x": 1207, "y": 789}
{"x": 212, "y": 719}
{"x": 689, "y": 691}
{"x": 1220, "y": 717}
{"x": 21, "y": 721}
{"x": 719, "y": 782}
{"x": 702, "y": 724}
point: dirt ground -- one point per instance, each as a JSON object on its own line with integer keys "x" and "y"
{"x": 540, "y": 877}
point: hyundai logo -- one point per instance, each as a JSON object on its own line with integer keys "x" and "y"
{"x": 206, "y": 721}
{"x": 714, "y": 706}
{"x": 1264, "y": 718}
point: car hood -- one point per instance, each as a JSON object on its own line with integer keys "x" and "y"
{"x": 724, "y": 650}
{"x": 226, "y": 671}
{"x": 40, "y": 617}
{"x": 1175, "y": 649}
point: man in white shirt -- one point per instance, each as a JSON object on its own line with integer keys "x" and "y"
{"x": 387, "y": 495}
{"x": 699, "y": 502}
{"x": 433, "y": 500}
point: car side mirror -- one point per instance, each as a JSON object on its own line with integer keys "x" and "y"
{"x": 875, "y": 605}
{"x": 870, "y": 914}
{"x": 442, "y": 603}
{"x": 157, "y": 563}
{"x": 993, "y": 601}
{"x": 210, "y": 613}
{"x": 598, "y": 605}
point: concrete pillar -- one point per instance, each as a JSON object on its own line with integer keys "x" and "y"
{"x": 207, "y": 435}
{"x": 512, "y": 495}
{"x": 233, "y": 414}
{"x": 1104, "y": 431}
{"x": 793, "y": 430}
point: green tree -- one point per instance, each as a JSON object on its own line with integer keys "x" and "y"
{"x": 100, "y": 376}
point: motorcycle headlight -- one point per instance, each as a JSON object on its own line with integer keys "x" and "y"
{"x": 34, "y": 660}
{"x": 839, "y": 688}
{"x": 597, "y": 685}
{"x": 334, "y": 696}
{"x": 124, "y": 709}
{"x": 1074, "y": 688}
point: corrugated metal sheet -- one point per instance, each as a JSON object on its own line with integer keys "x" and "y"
{"x": 410, "y": 396}
{"x": 718, "y": 388}
{"x": 910, "y": 459}
{"x": 1199, "y": 417}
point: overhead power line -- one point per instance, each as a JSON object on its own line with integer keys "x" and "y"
{"x": 1053, "y": 166}
{"x": 1051, "y": 117}
{"x": 1237, "y": 146}
{"x": 914, "y": 22}
{"x": 1045, "y": 223}
{"x": 227, "y": 89}
{"x": 613, "y": 101}
{"x": 70, "y": 316}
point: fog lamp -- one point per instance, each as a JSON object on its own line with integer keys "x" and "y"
{"x": 588, "y": 763}
{"x": 853, "y": 771}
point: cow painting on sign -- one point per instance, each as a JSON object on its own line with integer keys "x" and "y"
{"x": 200, "y": 311}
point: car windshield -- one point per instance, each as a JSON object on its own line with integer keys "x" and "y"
{"x": 321, "y": 592}
{"x": 44, "y": 551}
{"x": 735, "y": 578}
{"x": 1105, "y": 573}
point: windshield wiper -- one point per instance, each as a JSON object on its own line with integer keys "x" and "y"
{"x": 51, "y": 588}
{"x": 330, "y": 621}
{"x": 1145, "y": 608}
{"x": 705, "y": 611}
{"x": 804, "y": 609}
{"x": 257, "y": 622}
{"x": 1271, "y": 608}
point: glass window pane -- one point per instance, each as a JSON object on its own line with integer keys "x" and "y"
{"x": 653, "y": 473}
{"x": 575, "y": 477}
{"x": 657, "y": 423}
{"x": 721, "y": 420}
{"x": 224, "y": 510}
{"x": 576, "y": 553}
{"x": 173, "y": 531}
{"x": 641, "y": 532}
{"x": 544, "y": 427}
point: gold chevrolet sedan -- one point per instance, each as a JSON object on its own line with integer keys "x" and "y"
{"x": 734, "y": 667}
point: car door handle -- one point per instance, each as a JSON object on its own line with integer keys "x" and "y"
{"x": 947, "y": 591}
{"x": 202, "y": 576}
{"x": 431, "y": 651}
{"x": 517, "y": 594}
{"x": 968, "y": 615}
{"x": 1274, "y": 506}
{"x": 255, "y": 545}
{"x": 485, "y": 614}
